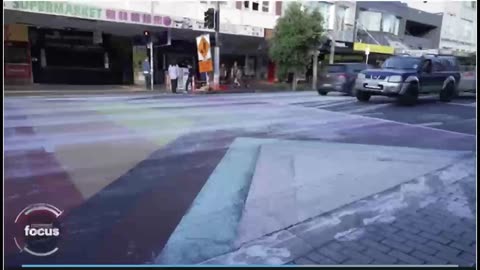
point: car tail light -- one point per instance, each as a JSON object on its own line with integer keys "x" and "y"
{"x": 342, "y": 77}
{"x": 468, "y": 74}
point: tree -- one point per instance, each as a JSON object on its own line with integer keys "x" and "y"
{"x": 297, "y": 34}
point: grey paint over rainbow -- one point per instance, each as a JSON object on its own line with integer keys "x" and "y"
{"x": 285, "y": 188}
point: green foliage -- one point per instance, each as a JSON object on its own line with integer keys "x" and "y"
{"x": 296, "y": 34}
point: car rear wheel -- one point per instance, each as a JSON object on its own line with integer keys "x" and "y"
{"x": 448, "y": 92}
{"x": 322, "y": 93}
{"x": 362, "y": 96}
{"x": 410, "y": 96}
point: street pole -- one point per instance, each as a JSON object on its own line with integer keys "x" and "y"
{"x": 151, "y": 51}
{"x": 367, "y": 52}
{"x": 314, "y": 71}
{"x": 334, "y": 34}
{"x": 216, "y": 65}
{"x": 151, "y": 65}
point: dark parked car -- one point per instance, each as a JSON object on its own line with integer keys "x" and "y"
{"x": 339, "y": 77}
{"x": 407, "y": 77}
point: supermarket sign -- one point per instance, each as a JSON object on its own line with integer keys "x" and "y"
{"x": 57, "y": 8}
{"x": 87, "y": 12}
{"x": 83, "y": 11}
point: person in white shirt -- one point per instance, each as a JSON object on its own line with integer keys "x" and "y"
{"x": 173, "y": 74}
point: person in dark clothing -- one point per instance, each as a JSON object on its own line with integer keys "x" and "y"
{"x": 146, "y": 73}
{"x": 189, "y": 78}
{"x": 309, "y": 73}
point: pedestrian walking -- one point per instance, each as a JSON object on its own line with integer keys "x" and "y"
{"x": 146, "y": 73}
{"x": 239, "y": 76}
{"x": 309, "y": 73}
{"x": 235, "y": 74}
{"x": 189, "y": 78}
{"x": 223, "y": 73}
{"x": 173, "y": 74}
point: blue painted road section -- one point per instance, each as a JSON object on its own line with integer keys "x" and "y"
{"x": 209, "y": 228}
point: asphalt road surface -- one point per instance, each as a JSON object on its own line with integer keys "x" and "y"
{"x": 182, "y": 179}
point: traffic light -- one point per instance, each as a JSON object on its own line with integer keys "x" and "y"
{"x": 209, "y": 19}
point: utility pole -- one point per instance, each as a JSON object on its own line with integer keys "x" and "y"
{"x": 151, "y": 65}
{"x": 334, "y": 34}
{"x": 216, "y": 65}
{"x": 367, "y": 52}
{"x": 151, "y": 50}
{"x": 315, "y": 69}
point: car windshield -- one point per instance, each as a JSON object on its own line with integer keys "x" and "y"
{"x": 401, "y": 63}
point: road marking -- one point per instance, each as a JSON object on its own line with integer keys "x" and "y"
{"x": 368, "y": 108}
{"x": 431, "y": 124}
{"x": 373, "y": 113}
{"x": 396, "y": 122}
{"x": 210, "y": 226}
{"x": 462, "y": 121}
{"x": 463, "y": 104}
{"x": 425, "y": 127}
{"x": 334, "y": 104}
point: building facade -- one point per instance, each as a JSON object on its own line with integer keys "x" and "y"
{"x": 396, "y": 24}
{"x": 459, "y": 23}
{"x": 100, "y": 42}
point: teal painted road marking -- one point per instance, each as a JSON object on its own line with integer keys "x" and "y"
{"x": 210, "y": 226}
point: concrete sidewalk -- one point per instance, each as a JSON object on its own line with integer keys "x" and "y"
{"x": 429, "y": 220}
{"x": 61, "y": 89}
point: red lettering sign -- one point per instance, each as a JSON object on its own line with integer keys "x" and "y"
{"x": 157, "y": 20}
{"x": 110, "y": 14}
{"x": 146, "y": 18}
{"x": 123, "y": 16}
{"x": 167, "y": 21}
{"x": 6, "y": 32}
{"x": 135, "y": 17}
{"x": 17, "y": 71}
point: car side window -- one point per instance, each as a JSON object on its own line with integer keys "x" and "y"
{"x": 427, "y": 66}
{"x": 362, "y": 67}
{"x": 357, "y": 68}
{"x": 438, "y": 66}
{"x": 451, "y": 64}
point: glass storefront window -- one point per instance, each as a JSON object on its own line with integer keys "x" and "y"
{"x": 331, "y": 13}
{"x": 15, "y": 54}
{"x": 75, "y": 57}
{"x": 467, "y": 30}
{"x": 370, "y": 20}
{"x": 341, "y": 16}
{"x": 324, "y": 9}
{"x": 390, "y": 24}
{"x": 449, "y": 21}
